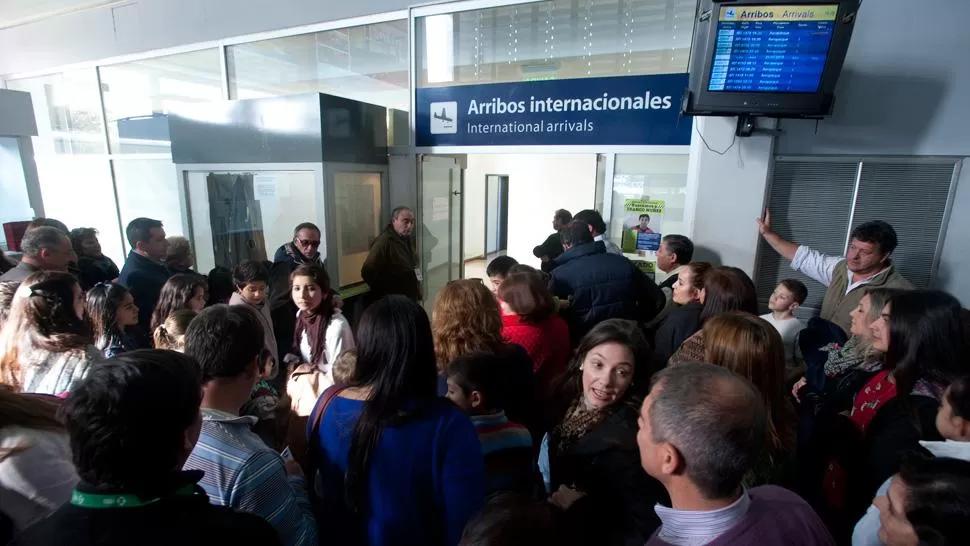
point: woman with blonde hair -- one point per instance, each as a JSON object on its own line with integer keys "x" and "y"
{"x": 46, "y": 345}
{"x": 36, "y": 471}
{"x": 466, "y": 319}
{"x": 752, "y": 348}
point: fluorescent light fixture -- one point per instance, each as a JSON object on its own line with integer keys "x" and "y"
{"x": 439, "y": 43}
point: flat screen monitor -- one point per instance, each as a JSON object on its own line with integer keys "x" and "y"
{"x": 777, "y": 59}
{"x": 772, "y": 49}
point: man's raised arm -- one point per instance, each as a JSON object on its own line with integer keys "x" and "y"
{"x": 781, "y": 246}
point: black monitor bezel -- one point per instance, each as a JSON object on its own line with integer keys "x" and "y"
{"x": 700, "y": 101}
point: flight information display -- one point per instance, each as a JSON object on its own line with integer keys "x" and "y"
{"x": 772, "y": 49}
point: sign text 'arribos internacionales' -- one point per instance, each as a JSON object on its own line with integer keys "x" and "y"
{"x": 625, "y": 110}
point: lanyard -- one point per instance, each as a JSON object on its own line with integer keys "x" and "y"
{"x": 96, "y": 500}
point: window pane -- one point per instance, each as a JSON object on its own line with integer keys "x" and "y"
{"x": 149, "y": 188}
{"x": 556, "y": 39}
{"x": 358, "y": 221}
{"x": 68, "y": 110}
{"x": 655, "y": 177}
{"x": 368, "y": 63}
{"x": 139, "y": 95}
{"x": 78, "y": 192}
{"x": 238, "y": 216}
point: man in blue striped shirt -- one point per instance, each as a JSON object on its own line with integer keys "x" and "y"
{"x": 240, "y": 470}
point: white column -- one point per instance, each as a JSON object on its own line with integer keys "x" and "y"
{"x": 728, "y": 183}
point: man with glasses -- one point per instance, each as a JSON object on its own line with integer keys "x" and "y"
{"x": 392, "y": 265}
{"x": 304, "y": 249}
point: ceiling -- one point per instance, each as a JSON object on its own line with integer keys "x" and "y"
{"x": 19, "y": 12}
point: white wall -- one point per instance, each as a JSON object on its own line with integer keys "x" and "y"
{"x": 474, "y": 204}
{"x": 904, "y": 91}
{"x": 729, "y": 192}
{"x": 538, "y": 185}
{"x": 146, "y": 25}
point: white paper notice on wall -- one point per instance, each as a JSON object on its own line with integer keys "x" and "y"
{"x": 264, "y": 186}
{"x": 439, "y": 209}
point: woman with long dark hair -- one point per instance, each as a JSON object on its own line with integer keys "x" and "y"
{"x": 590, "y": 461}
{"x": 182, "y": 291}
{"x": 46, "y": 344}
{"x": 321, "y": 335}
{"x": 111, "y": 309}
{"x": 397, "y": 464}
{"x": 725, "y": 289}
{"x": 921, "y": 334}
{"x": 36, "y": 472}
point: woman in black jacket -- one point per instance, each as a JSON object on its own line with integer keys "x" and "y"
{"x": 590, "y": 460}
{"x": 92, "y": 266}
{"x": 684, "y": 320}
{"x": 925, "y": 347}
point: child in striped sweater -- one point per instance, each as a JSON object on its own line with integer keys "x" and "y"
{"x": 474, "y": 385}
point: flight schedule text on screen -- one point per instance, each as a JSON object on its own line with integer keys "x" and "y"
{"x": 772, "y": 49}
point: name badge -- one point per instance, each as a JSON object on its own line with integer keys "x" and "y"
{"x": 417, "y": 273}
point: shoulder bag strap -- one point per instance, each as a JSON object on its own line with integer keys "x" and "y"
{"x": 313, "y": 438}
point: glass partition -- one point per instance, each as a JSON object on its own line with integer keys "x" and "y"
{"x": 149, "y": 188}
{"x": 77, "y": 191}
{"x": 648, "y": 177}
{"x": 357, "y": 221}
{"x": 555, "y": 39}
{"x": 243, "y": 215}
{"x": 368, "y": 63}
{"x": 139, "y": 95}
{"x": 68, "y": 110}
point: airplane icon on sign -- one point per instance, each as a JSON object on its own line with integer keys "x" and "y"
{"x": 443, "y": 116}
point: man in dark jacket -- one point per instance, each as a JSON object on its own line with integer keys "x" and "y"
{"x": 144, "y": 274}
{"x": 392, "y": 264}
{"x": 304, "y": 249}
{"x": 600, "y": 286}
{"x": 551, "y": 248}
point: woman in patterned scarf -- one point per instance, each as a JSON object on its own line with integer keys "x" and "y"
{"x": 590, "y": 461}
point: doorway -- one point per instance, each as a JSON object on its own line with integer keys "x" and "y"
{"x": 496, "y": 215}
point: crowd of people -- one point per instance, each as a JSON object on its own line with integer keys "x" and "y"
{"x": 580, "y": 403}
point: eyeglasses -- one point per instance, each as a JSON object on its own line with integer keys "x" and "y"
{"x": 307, "y": 242}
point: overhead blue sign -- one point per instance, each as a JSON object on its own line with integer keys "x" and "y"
{"x": 624, "y": 110}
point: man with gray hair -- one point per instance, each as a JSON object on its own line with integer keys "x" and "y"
{"x": 701, "y": 430}
{"x": 43, "y": 248}
{"x": 392, "y": 265}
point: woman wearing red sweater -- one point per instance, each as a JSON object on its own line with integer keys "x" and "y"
{"x": 529, "y": 320}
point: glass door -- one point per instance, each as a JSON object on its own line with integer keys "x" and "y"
{"x": 440, "y": 235}
{"x": 235, "y": 213}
